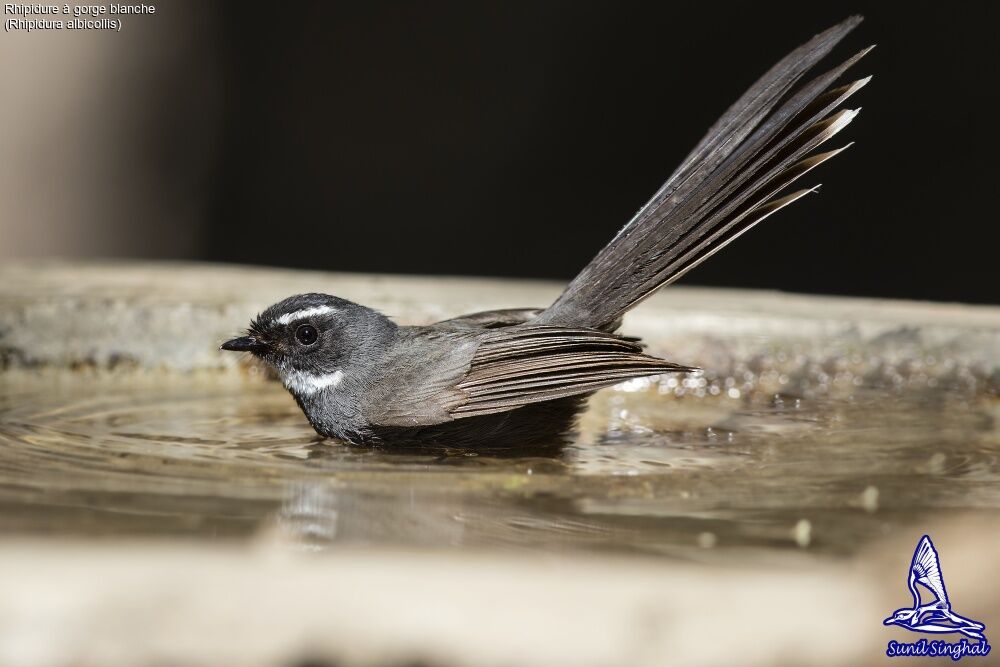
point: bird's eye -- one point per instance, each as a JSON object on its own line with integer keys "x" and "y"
{"x": 306, "y": 334}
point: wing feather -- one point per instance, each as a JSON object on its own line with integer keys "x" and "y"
{"x": 491, "y": 319}
{"x": 526, "y": 365}
{"x": 927, "y": 568}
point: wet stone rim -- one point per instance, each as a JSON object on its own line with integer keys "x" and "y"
{"x": 170, "y": 317}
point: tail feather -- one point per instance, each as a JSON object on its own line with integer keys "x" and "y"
{"x": 771, "y": 180}
{"x": 739, "y": 224}
{"x": 747, "y": 112}
{"x": 731, "y": 181}
{"x": 745, "y": 225}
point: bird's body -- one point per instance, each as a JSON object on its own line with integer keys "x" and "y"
{"x": 519, "y": 377}
{"x": 492, "y": 378}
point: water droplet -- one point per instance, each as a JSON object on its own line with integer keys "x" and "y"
{"x": 869, "y": 499}
{"x": 802, "y": 533}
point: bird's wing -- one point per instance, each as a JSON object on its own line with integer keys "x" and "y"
{"x": 927, "y": 568}
{"x": 515, "y": 367}
{"x": 438, "y": 375}
{"x": 492, "y": 319}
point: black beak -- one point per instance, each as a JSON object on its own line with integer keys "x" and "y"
{"x": 244, "y": 344}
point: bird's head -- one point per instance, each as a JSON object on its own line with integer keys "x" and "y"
{"x": 310, "y": 339}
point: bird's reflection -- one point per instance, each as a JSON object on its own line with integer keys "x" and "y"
{"x": 309, "y": 518}
{"x": 321, "y": 515}
{"x": 315, "y": 516}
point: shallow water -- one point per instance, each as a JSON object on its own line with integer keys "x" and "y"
{"x": 696, "y": 468}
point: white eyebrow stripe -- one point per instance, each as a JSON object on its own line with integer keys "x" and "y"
{"x": 307, "y": 384}
{"x": 288, "y": 318}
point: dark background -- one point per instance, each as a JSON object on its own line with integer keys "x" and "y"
{"x": 515, "y": 139}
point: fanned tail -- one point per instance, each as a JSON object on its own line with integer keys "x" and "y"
{"x": 732, "y": 180}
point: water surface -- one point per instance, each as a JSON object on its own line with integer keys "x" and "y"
{"x": 755, "y": 462}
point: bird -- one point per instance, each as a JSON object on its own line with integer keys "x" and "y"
{"x": 935, "y": 616}
{"x": 520, "y": 377}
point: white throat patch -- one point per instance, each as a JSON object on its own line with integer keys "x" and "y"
{"x": 288, "y": 318}
{"x": 307, "y": 384}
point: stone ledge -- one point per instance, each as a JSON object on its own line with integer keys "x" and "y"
{"x": 161, "y": 316}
